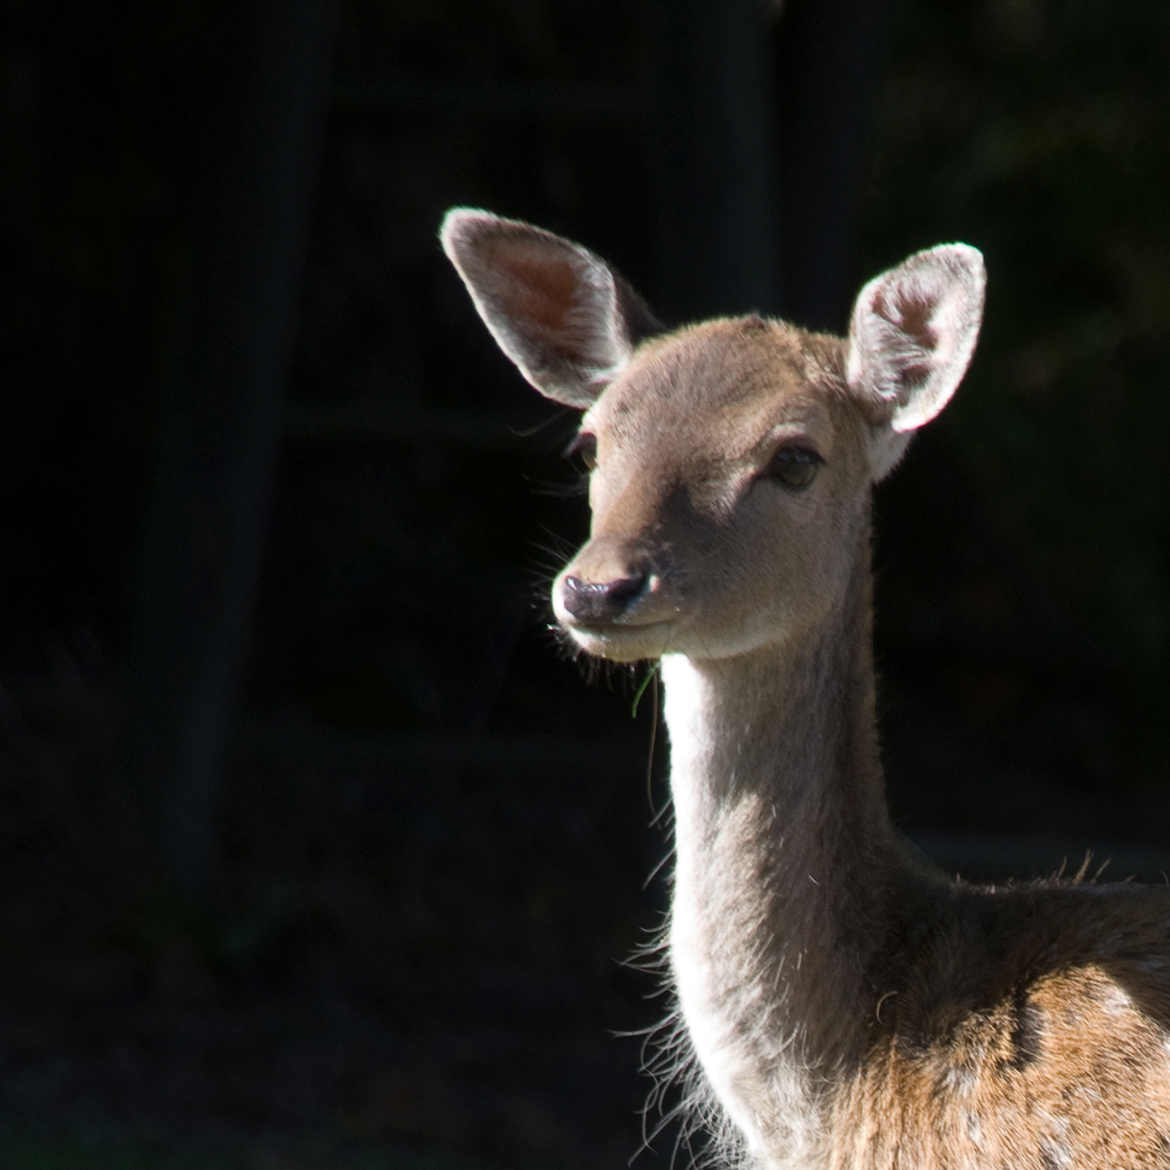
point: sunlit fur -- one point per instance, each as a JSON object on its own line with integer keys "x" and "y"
{"x": 849, "y": 1007}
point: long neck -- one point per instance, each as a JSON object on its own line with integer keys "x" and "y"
{"x": 784, "y": 860}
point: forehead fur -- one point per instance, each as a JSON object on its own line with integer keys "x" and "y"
{"x": 739, "y": 372}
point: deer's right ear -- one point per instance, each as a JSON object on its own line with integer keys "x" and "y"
{"x": 566, "y": 319}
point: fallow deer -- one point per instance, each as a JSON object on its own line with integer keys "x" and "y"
{"x": 849, "y": 1005}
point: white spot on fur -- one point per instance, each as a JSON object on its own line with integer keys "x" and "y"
{"x": 1056, "y": 1155}
{"x": 975, "y": 1130}
{"x": 1115, "y": 1002}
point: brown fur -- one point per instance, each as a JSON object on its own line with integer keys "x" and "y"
{"x": 1025, "y": 1028}
{"x": 849, "y": 1006}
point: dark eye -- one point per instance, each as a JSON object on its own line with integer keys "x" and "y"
{"x": 584, "y": 448}
{"x": 794, "y": 467}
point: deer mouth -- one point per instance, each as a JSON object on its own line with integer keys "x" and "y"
{"x": 621, "y": 641}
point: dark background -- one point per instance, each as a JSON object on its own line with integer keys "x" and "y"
{"x": 314, "y": 849}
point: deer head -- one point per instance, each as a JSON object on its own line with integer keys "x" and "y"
{"x": 730, "y": 460}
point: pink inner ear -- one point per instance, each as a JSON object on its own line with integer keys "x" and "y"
{"x": 910, "y": 314}
{"x": 537, "y": 286}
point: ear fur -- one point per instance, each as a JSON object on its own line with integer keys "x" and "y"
{"x": 564, "y": 317}
{"x": 911, "y": 338}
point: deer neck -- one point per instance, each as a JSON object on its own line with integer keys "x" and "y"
{"x": 784, "y": 853}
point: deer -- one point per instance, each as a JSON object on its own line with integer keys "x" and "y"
{"x": 848, "y": 1004}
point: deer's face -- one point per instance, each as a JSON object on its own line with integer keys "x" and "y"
{"x": 729, "y": 478}
{"x": 732, "y": 459}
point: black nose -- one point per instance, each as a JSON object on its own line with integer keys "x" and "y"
{"x": 600, "y": 600}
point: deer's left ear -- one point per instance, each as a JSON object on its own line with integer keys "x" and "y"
{"x": 567, "y": 320}
{"x": 911, "y": 338}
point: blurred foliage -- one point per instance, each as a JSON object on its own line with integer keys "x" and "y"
{"x": 1028, "y": 531}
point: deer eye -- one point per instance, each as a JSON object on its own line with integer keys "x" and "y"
{"x": 584, "y": 448}
{"x": 793, "y": 467}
